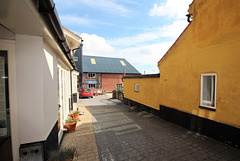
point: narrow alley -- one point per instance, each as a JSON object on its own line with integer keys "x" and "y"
{"x": 109, "y": 130}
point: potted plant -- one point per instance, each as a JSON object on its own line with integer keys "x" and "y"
{"x": 75, "y": 114}
{"x": 58, "y": 123}
{"x": 70, "y": 124}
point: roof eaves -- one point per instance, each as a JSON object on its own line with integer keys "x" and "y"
{"x": 47, "y": 8}
{"x": 142, "y": 76}
{"x": 111, "y": 72}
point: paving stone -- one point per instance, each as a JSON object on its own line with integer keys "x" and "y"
{"x": 113, "y": 133}
{"x": 151, "y": 136}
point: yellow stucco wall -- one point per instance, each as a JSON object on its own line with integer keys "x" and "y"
{"x": 211, "y": 44}
{"x": 148, "y": 91}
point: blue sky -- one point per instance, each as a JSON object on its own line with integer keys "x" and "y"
{"x": 140, "y": 31}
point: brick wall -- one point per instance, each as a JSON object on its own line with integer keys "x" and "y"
{"x": 85, "y": 77}
{"x": 109, "y": 81}
{"x": 106, "y": 82}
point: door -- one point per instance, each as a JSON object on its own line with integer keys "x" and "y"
{"x": 5, "y": 133}
{"x": 60, "y": 105}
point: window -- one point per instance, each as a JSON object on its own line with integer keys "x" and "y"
{"x": 91, "y": 75}
{"x": 87, "y": 90}
{"x": 93, "y": 61}
{"x": 119, "y": 85}
{"x": 136, "y": 87}
{"x": 4, "y": 101}
{"x": 91, "y": 85}
{"x": 208, "y": 90}
{"x": 122, "y": 62}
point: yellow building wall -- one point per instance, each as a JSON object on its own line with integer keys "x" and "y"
{"x": 211, "y": 44}
{"x": 148, "y": 91}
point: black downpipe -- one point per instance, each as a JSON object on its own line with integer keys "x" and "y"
{"x": 189, "y": 17}
{"x": 47, "y": 7}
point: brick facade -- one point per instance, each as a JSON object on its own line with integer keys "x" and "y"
{"x": 106, "y": 82}
{"x": 86, "y": 78}
{"x": 109, "y": 81}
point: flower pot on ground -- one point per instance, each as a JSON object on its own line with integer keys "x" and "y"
{"x": 75, "y": 114}
{"x": 58, "y": 123}
{"x": 70, "y": 124}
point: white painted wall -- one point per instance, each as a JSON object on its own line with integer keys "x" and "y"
{"x": 32, "y": 76}
{"x": 37, "y": 88}
{"x": 29, "y": 56}
{"x": 50, "y": 89}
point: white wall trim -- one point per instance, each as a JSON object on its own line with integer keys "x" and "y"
{"x": 201, "y": 90}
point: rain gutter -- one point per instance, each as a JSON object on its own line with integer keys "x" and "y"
{"x": 48, "y": 10}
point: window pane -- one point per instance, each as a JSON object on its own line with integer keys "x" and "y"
{"x": 207, "y": 88}
{"x": 91, "y": 85}
{"x": 4, "y": 104}
{"x": 208, "y": 93}
{"x": 91, "y": 75}
{"x": 136, "y": 87}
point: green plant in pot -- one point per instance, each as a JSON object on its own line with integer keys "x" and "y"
{"x": 70, "y": 124}
{"x": 75, "y": 114}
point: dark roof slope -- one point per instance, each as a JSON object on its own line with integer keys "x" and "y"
{"x": 94, "y": 64}
{"x": 142, "y": 76}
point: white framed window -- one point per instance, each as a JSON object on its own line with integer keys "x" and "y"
{"x": 136, "y": 87}
{"x": 91, "y": 85}
{"x": 91, "y": 75}
{"x": 208, "y": 90}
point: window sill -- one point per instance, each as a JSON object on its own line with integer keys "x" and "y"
{"x": 208, "y": 108}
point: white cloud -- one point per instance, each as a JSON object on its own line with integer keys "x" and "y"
{"x": 143, "y": 58}
{"x": 149, "y": 54}
{"x": 170, "y": 31}
{"x": 69, "y": 19}
{"x": 95, "y": 45}
{"x": 72, "y": 20}
{"x": 106, "y": 5}
{"x": 172, "y": 8}
{"x": 175, "y": 29}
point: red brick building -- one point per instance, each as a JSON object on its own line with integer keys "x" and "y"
{"x": 103, "y": 74}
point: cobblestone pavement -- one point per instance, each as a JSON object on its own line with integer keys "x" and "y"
{"x": 124, "y": 134}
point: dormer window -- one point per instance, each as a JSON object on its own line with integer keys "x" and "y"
{"x": 91, "y": 75}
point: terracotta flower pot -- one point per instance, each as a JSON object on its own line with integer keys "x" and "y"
{"x": 58, "y": 123}
{"x": 75, "y": 116}
{"x": 71, "y": 126}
